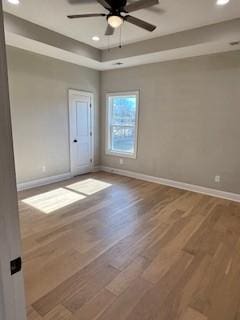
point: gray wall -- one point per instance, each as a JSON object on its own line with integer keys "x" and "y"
{"x": 189, "y": 127}
{"x": 39, "y": 106}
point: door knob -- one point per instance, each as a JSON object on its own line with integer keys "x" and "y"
{"x": 75, "y": 140}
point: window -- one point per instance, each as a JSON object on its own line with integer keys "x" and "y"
{"x": 122, "y": 119}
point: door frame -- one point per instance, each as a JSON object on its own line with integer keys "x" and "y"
{"x": 71, "y": 94}
{"x": 12, "y": 297}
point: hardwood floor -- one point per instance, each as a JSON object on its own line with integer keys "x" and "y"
{"x": 107, "y": 247}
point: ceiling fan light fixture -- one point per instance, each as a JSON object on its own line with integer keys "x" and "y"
{"x": 115, "y": 21}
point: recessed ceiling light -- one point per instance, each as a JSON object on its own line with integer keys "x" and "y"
{"x": 16, "y": 2}
{"x": 222, "y": 2}
{"x": 95, "y": 38}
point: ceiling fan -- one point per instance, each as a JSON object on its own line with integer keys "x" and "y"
{"x": 118, "y": 13}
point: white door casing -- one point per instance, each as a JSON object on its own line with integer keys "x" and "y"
{"x": 12, "y": 299}
{"x": 81, "y": 131}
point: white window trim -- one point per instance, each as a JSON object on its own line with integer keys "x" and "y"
{"x": 107, "y": 135}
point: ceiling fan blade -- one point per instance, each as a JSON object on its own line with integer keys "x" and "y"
{"x": 141, "y": 4}
{"x": 74, "y": 1}
{"x": 109, "y": 31}
{"x": 86, "y": 15}
{"x": 105, "y": 3}
{"x": 140, "y": 23}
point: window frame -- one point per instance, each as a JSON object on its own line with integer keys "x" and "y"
{"x": 109, "y": 126}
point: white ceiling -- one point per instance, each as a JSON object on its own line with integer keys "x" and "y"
{"x": 170, "y": 16}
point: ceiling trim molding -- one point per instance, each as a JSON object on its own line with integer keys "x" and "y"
{"x": 38, "y": 47}
{"x": 29, "y": 30}
{"x": 223, "y": 31}
{"x": 195, "y": 42}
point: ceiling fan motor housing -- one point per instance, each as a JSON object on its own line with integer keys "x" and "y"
{"x": 117, "y": 5}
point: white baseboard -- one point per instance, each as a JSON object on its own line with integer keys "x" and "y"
{"x": 171, "y": 183}
{"x": 96, "y": 169}
{"x": 48, "y": 180}
{"x": 43, "y": 181}
{"x": 176, "y": 184}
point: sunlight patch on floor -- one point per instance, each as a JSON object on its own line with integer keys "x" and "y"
{"x": 89, "y": 186}
{"x": 53, "y": 200}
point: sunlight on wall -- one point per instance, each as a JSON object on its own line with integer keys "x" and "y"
{"x": 89, "y": 186}
{"x": 53, "y": 200}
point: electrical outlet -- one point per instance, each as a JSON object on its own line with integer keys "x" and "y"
{"x": 43, "y": 168}
{"x": 121, "y": 161}
{"x": 217, "y": 179}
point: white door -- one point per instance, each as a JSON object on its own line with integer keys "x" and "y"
{"x": 81, "y": 135}
{"x": 12, "y": 304}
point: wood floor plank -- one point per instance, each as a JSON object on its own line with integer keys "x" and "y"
{"x": 123, "y": 305}
{"x": 54, "y": 272}
{"x": 128, "y": 275}
{"x": 59, "y": 313}
{"x": 32, "y": 314}
{"x": 154, "y": 299}
{"x": 133, "y": 250}
{"x": 192, "y": 314}
{"x": 96, "y": 307}
{"x": 171, "y": 253}
{"x": 180, "y": 297}
{"x": 79, "y": 288}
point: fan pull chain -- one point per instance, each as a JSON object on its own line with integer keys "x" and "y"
{"x": 120, "y": 37}
{"x": 108, "y": 43}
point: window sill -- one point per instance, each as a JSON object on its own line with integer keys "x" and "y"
{"x": 121, "y": 155}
